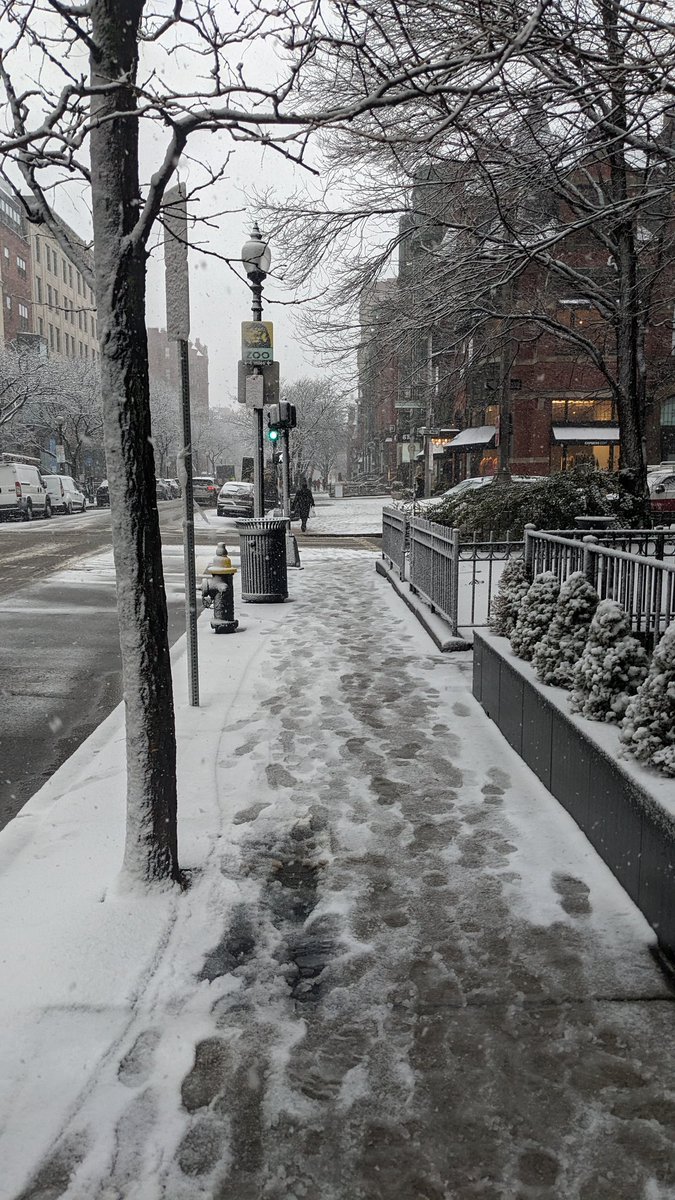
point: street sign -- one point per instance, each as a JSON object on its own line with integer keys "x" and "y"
{"x": 255, "y": 391}
{"x": 174, "y": 213}
{"x": 257, "y": 342}
{"x": 270, "y": 377}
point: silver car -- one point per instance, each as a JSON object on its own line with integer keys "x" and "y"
{"x": 235, "y": 500}
{"x": 205, "y": 490}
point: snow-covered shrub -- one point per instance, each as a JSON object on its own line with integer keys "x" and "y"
{"x": 561, "y": 647}
{"x": 506, "y": 604}
{"x": 535, "y": 614}
{"x": 611, "y": 668}
{"x": 649, "y": 725}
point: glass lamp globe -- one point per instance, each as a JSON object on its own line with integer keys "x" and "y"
{"x": 255, "y": 253}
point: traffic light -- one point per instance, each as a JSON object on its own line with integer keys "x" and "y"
{"x": 273, "y": 422}
{"x": 287, "y": 414}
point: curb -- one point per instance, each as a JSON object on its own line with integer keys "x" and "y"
{"x": 434, "y": 625}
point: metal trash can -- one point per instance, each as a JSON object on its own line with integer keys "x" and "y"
{"x": 262, "y": 543}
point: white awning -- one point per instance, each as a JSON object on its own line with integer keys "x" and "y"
{"x": 598, "y": 435}
{"x": 481, "y": 435}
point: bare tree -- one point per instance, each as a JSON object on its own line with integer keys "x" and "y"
{"x": 321, "y": 433}
{"x": 24, "y": 375}
{"x": 563, "y": 171}
{"x": 103, "y": 69}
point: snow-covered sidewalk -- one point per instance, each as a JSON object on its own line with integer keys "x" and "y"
{"x": 400, "y": 971}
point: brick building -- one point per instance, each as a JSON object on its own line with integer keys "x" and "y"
{"x": 521, "y": 391}
{"x": 165, "y": 367}
{"x": 15, "y": 270}
{"x": 64, "y": 305}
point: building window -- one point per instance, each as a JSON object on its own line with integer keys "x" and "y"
{"x": 79, "y": 284}
{"x": 6, "y": 252}
{"x": 668, "y": 411}
{"x": 48, "y": 258}
{"x": 21, "y": 266}
{"x": 582, "y": 411}
{"x": 51, "y": 337}
{"x": 79, "y": 319}
{"x": 41, "y": 327}
{"x": 80, "y": 345}
{"x": 86, "y": 350}
{"x": 37, "y": 249}
{"x": 65, "y": 273}
{"x": 70, "y": 275}
{"x": 56, "y": 298}
{"x": 38, "y": 289}
{"x": 58, "y": 340}
{"x": 8, "y": 303}
{"x": 93, "y": 355}
{"x": 23, "y": 316}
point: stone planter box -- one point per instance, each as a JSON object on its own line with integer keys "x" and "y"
{"x": 626, "y": 811}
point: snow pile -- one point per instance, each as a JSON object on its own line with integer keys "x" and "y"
{"x": 649, "y": 725}
{"x": 611, "y": 668}
{"x": 535, "y": 614}
{"x": 505, "y": 607}
{"x": 562, "y": 645}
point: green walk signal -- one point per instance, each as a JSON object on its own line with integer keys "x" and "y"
{"x": 273, "y": 435}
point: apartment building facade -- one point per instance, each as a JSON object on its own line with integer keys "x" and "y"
{"x": 164, "y": 367}
{"x": 63, "y": 303}
{"x": 15, "y": 270}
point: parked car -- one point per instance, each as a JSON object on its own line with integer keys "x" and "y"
{"x": 174, "y": 488}
{"x": 65, "y": 494}
{"x": 103, "y": 495}
{"x": 163, "y": 490}
{"x": 23, "y": 492}
{"x": 205, "y": 490}
{"x": 661, "y": 486}
{"x": 235, "y": 500}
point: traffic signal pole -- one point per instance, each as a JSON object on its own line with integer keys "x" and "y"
{"x": 285, "y": 472}
{"x": 258, "y": 464}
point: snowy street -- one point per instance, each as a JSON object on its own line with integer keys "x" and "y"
{"x": 400, "y": 972}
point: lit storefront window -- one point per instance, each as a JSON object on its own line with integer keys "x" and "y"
{"x": 580, "y": 411}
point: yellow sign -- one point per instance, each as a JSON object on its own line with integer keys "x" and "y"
{"x": 257, "y": 342}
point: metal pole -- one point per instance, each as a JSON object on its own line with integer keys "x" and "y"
{"x": 258, "y": 464}
{"x": 189, "y": 528}
{"x": 285, "y": 477}
{"x": 258, "y": 431}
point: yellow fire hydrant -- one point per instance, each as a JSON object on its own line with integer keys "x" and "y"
{"x": 218, "y": 589}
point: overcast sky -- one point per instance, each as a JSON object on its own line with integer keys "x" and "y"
{"x": 219, "y": 301}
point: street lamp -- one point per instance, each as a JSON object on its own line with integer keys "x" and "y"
{"x": 256, "y": 257}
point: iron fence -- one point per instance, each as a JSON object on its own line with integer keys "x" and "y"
{"x": 434, "y": 566}
{"x": 643, "y": 586}
{"x": 394, "y": 538}
{"x": 458, "y": 579}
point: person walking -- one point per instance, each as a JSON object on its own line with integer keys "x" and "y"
{"x": 302, "y": 503}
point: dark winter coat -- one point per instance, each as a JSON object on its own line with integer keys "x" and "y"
{"x": 303, "y": 501}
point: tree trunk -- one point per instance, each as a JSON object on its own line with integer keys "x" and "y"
{"x": 151, "y": 843}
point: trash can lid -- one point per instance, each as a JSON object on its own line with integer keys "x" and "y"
{"x": 261, "y": 524}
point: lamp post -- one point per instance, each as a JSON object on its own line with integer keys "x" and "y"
{"x": 256, "y": 257}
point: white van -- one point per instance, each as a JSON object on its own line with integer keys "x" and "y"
{"x": 23, "y": 493}
{"x": 64, "y": 493}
